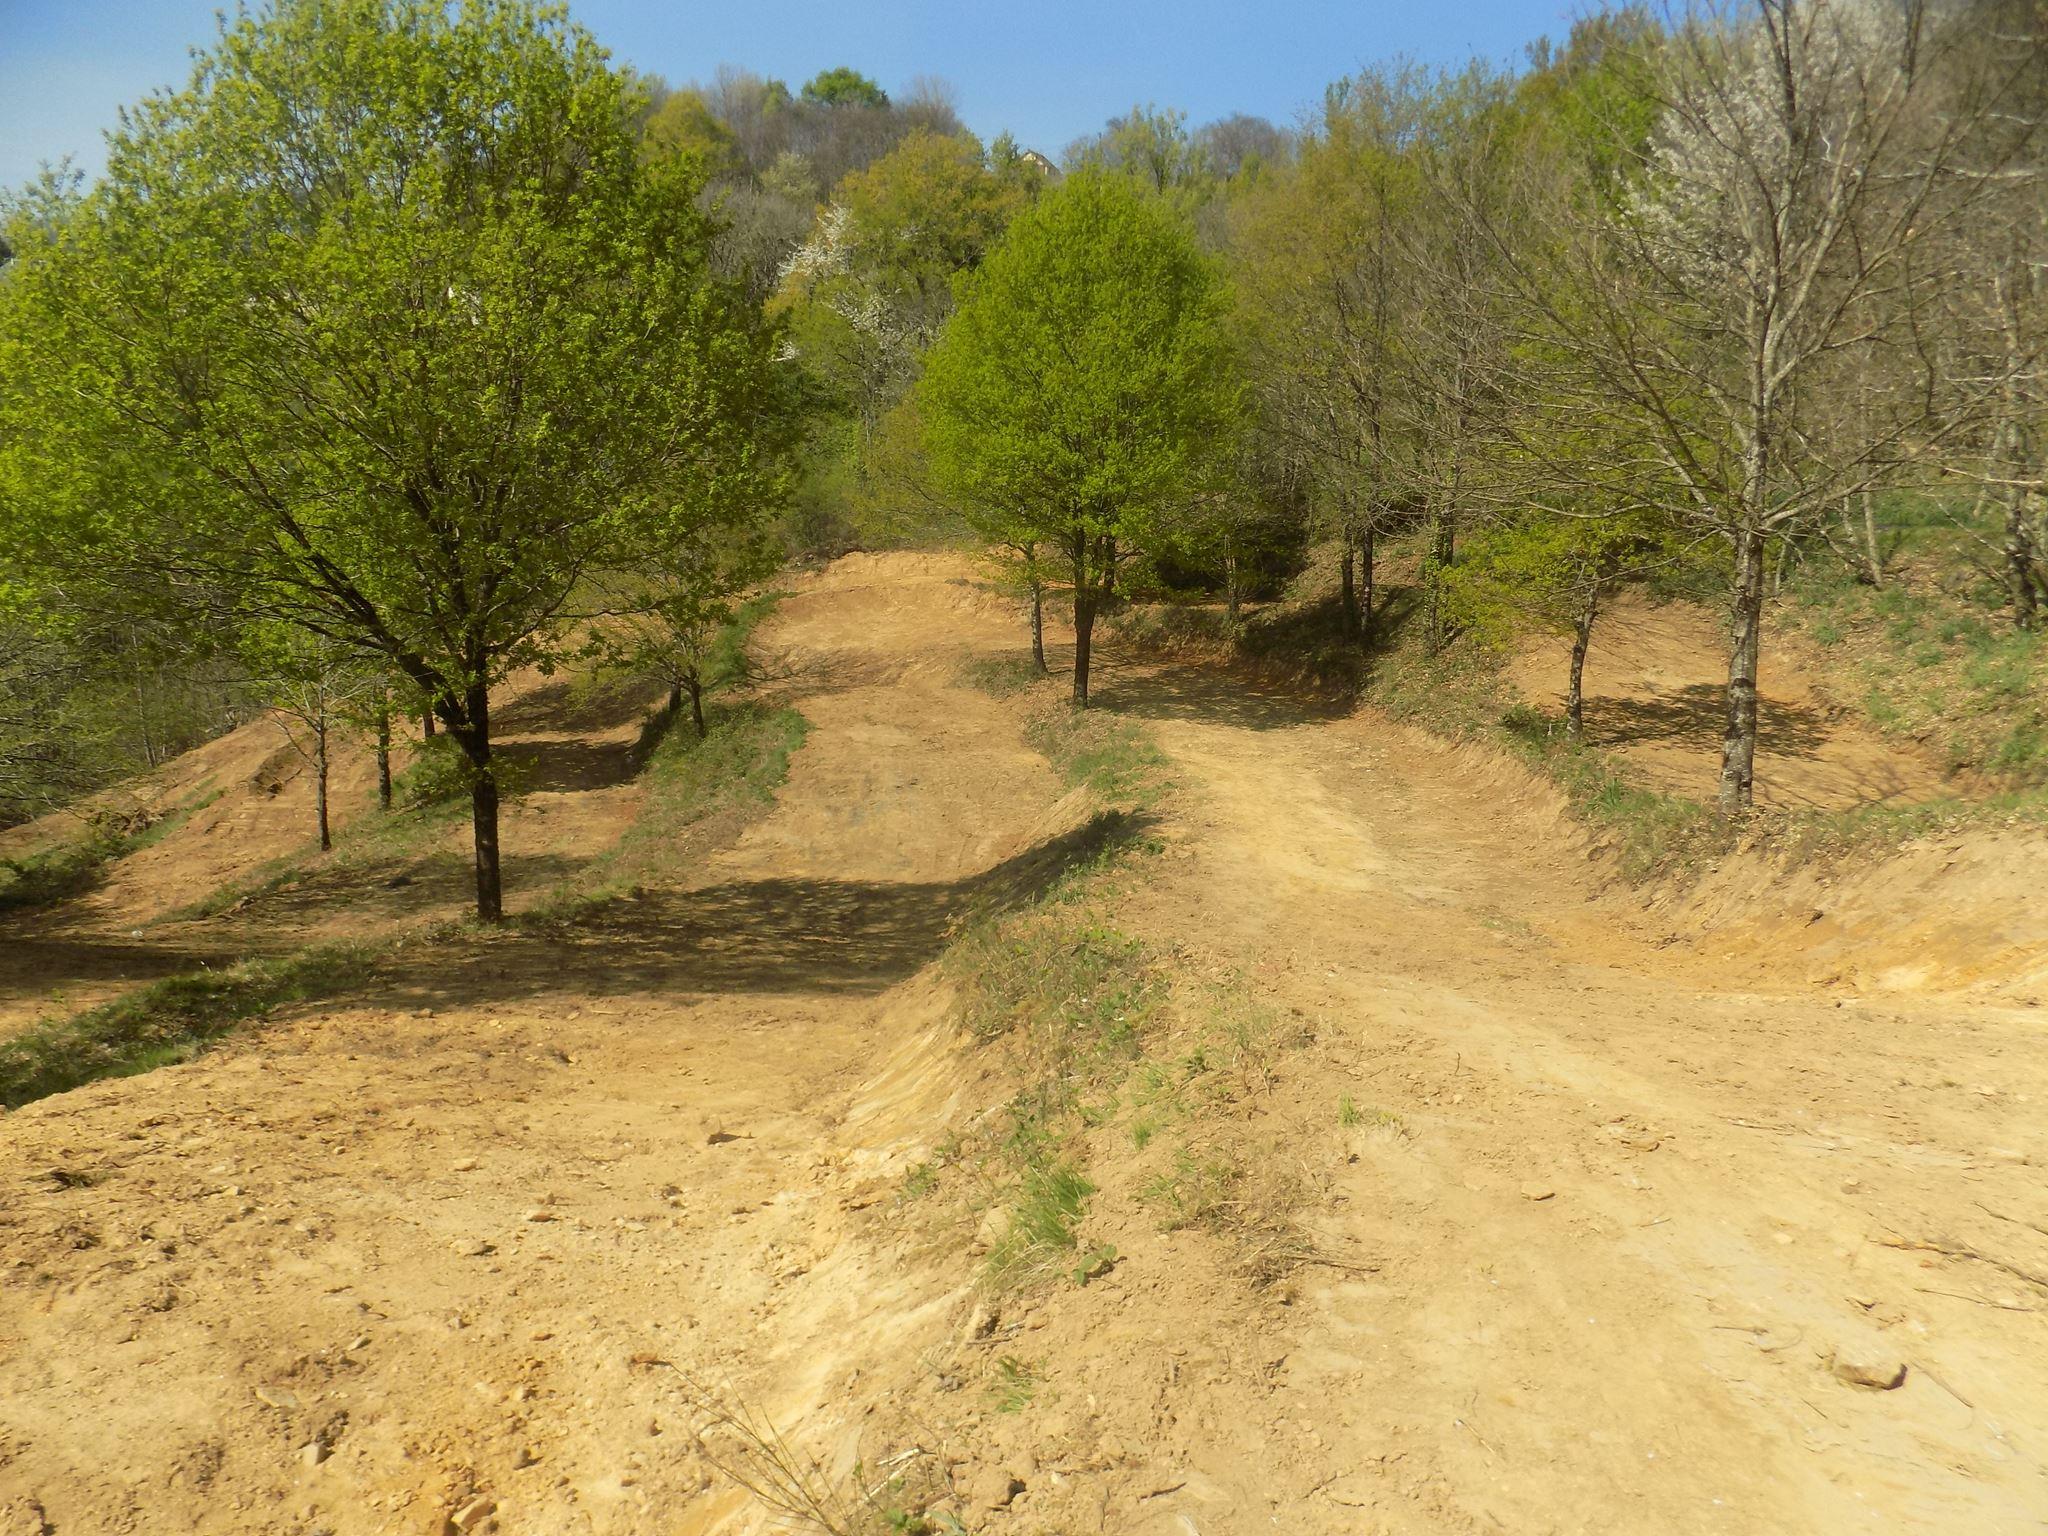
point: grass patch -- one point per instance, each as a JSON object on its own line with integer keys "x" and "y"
{"x": 1002, "y": 677}
{"x": 1110, "y": 1051}
{"x": 1015, "y": 1384}
{"x": 169, "y": 1021}
{"x": 1111, "y": 756}
{"x": 73, "y": 868}
{"x": 1933, "y": 656}
{"x": 1044, "y": 1219}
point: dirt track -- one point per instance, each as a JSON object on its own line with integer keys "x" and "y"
{"x": 1621, "y": 1202}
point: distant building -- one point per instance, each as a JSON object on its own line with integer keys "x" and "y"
{"x": 1040, "y": 164}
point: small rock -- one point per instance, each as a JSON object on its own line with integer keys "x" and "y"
{"x": 540, "y": 1213}
{"x": 993, "y": 1488}
{"x": 719, "y": 1138}
{"x": 525, "y": 1458}
{"x": 1867, "y": 1365}
{"x": 464, "y": 1164}
{"x": 1536, "y": 1191}
{"x": 313, "y": 1452}
{"x": 472, "y": 1247}
{"x": 279, "y": 1397}
{"x": 993, "y": 1228}
{"x": 981, "y": 1322}
{"x": 474, "y": 1513}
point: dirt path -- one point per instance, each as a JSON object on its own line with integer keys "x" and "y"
{"x": 427, "y": 1234}
{"x": 1628, "y": 1200}
{"x": 443, "y": 1258}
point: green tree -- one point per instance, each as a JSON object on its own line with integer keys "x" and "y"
{"x": 1555, "y": 568}
{"x": 383, "y": 329}
{"x": 844, "y": 87}
{"x": 1073, "y": 402}
{"x": 684, "y": 125}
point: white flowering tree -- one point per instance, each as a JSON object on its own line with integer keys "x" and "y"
{"x": 1758, "y": 303}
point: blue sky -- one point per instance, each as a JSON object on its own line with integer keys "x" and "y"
{"x": 1047, "y": 71}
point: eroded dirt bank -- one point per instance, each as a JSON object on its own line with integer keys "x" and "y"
{"x": 1607, "y": 1212}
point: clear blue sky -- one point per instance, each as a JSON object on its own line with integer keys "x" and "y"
{"x": 1048, "y": 72}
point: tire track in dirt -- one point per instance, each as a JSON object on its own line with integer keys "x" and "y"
{"x": 391, "y": 1262}
{"x": 1624, "y": 1201}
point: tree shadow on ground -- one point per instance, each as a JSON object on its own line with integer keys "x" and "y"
{"x": 32, "y": 964}
{"x": 1185, "y": 691}
{"x": 1695, "y": 715}
{"x": 576, "y": 707}
{"x": 371, "y": 893}
{"x": 570, "y": 767}
{"x": 767, "y": 936}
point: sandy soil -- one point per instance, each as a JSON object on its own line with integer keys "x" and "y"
{"x": 449, "y": 1256}
{"x": 1656, "y": 676}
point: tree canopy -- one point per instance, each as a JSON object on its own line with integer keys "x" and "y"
{"x": 1077, "y": 395}
{"x": 382, "y": 328}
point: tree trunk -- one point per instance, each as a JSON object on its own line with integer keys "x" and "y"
{"x": 384, "y": 756}
{"x": 427, "y": 723}
{"x": 1038, "y": 625}
{"x": 695, "y": 688}
{"x": 1348, "y": 592}
{"x": 1575, "y": 693}
{"x": 1738, "y": 739}
{"x": 320, "y": 779}
{"x": 1365, "y": 571}
{"x": 2019, "y": 562}
{"x": 1443, "y": 539}
{"x": 1230, "y": 595}
{"x": 1872, "y": 551}
{"x": 483, "y": 803}
{"x": 1084, "y": 631}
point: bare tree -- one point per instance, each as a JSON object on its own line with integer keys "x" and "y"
{"x": 1761, "y": 305}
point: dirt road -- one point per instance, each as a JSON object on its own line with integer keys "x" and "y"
{"x": 1617, "y": 1215}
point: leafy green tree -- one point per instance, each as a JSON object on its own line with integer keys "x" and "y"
{"x": 1555, "y": 569}
{"x": 1328, "y": 290}
{"x": 1074, "y": 400}
{"x": 684, "y": 125}
{"x": 844, "y": 87}
{"x": 383, "y": 329}
{"x": 1150, "y": 143}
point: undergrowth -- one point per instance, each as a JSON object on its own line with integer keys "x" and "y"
{"x": 1932, "y": 655}
{"x": 169, "y": 1021}
{"x": 738, "y": 765}
{"x": 74, "y": 867}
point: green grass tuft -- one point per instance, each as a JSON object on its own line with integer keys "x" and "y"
{"x": 169, "y": 1021}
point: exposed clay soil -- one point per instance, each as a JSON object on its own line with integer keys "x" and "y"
{"x": 1655, "y": 680}
{"x": 446, "y": 1256}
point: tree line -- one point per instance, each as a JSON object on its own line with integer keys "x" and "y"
{"x": 412, "y": 345}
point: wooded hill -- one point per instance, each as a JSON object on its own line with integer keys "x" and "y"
{"x": 407, "y": 347}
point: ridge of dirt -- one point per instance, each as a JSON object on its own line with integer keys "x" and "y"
{"x": 1608, "y": 1218}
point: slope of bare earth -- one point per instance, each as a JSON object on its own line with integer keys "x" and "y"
{"x": 1621, "y": 1213}
{"x": 1655, "y": 679}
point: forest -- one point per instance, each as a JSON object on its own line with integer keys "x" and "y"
{"x": 1690, "y": 300}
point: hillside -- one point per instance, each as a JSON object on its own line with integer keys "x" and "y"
{"x": 1228, "y": 1114}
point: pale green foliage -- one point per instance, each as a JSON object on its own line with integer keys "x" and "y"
{"x": 1545, "y": 569}
{"x": 1077, "y": 396}
{"x": 382, "y": 328}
